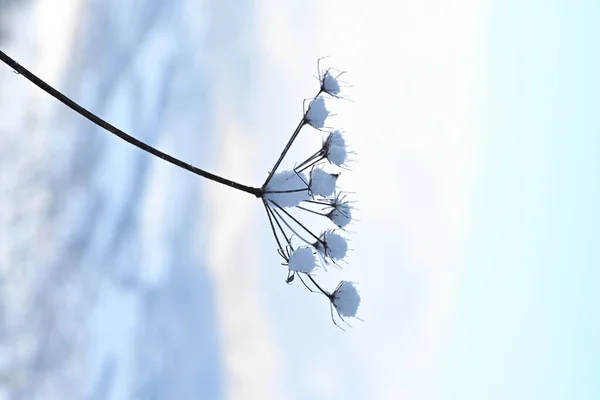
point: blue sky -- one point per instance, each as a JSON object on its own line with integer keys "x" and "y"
{"x": 526, "y": 324}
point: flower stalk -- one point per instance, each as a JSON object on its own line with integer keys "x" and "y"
{"x": 280, "y": 192}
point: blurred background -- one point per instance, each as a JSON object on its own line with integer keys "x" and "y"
{"x": 476, "y": 175}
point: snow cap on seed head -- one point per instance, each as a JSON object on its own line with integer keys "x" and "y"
{"x": 332, "y": 245}
{"x": 322, "y": 183}
{"x": 302, "y": 260}
{"x": 346, "y": 299}
{"x": 330, "y": 84}
{"x": 292, "y": 184}
{"x": 340, "y": 213}
{"x": 335, "y": 148}
{"x": 317, "y": 113}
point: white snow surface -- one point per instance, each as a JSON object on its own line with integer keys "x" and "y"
{"x": 292, "y": 184}
{"x": 336, "y": 138}
{"x": 317, "y": 113}
{"x": 336, "y": 245}
{"x": 337, "y": 155}
{"x": 322, "y": 183}
{"x": 330, "y": 84}
{"x": 346, "y": 299}
{"x": 303, "y": 260}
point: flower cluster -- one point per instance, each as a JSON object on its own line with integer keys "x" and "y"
{"x": 311, "y": 187}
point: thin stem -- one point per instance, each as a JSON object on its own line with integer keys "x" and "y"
{"x": 306, "y": 286}
{"x": 285, "y": 191}
{"x": 309, "y": 159}
{"x": 115, "y": 131}
{"x": 311, "y": 211}
{"x": 323, "y": 203}
{"x": 272, "y": 226}
{"x": 326, "y": 293}
{"x": 287, "y": 147}
{"x": 290, "y": 227}
{"x": 298, "y": 222}
{"x": 287, "y": 239}
{"x": 285, "y": 150}
{"x": 309, "y": 165}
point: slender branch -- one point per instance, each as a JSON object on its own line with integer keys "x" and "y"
{"x": 290, "y": 227}
{"x": 296, "y": 221}
{"x": 311, "y": 211}
{"x": 309, "y": 159}
{"x": 285, "y": 191}
{"x": 287, "y": 146}
{"x": 112, "y": 129}
{"x": 285, "y": 150}
{"x": 272, "y": 226}
{"x": 326, "y": 293}
{"x": 287, "y": 239}
{"x": 309, "y": 165}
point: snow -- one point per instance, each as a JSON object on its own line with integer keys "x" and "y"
{"x": 341, "y": 214}
{"x": 303, "y": 260}
{"x": 337, "y": 155}
{"x": 322, "y": 183}
{"x": 346, "y": 299}
{"x": 292, "y": 184}
{"x": 317, "y": 113}
{"x": 330, "y": 84}
{"x": 335, "y": 246}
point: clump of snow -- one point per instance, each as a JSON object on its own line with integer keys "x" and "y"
{"x": 322, "y": 183}
{"x": 346, "y": 299}
{"x": 334, "y": 245}
{"x": 317, "y": 113}
{"x": 287, "y": 188}
{"x": 340, "y": 214}
{"x": 336, "y": 155}
{"x": 336, "y": 138}
{"x": 335, "y": 148}
{"x": 302, "y": 260}
{"x": 330, "y": 84}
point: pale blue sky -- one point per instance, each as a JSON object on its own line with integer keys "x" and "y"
{"x": 527, "y": 322}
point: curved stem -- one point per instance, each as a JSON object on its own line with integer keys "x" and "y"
{"x": 326, "y": 293}
{"x": 116, "y": 131}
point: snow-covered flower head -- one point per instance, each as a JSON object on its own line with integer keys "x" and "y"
{"x": 317, "y": 113}
{"x": 345, "y": 299}
{"x": 302, "y": 260}
{"x": 287, "y": 189}
{"x": 340, "y": 212}
{"x": 332, "y": 245}
{"x": 330, "y": 84}
{"x": 334, "y": 148}
{"x": 322, "y": 183}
